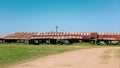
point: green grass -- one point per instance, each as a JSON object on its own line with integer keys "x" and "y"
{"x": 16, "y": 53}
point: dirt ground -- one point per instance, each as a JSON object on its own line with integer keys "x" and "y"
{"x": 87, "y": 58}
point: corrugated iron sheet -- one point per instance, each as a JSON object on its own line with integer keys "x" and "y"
{"x": 62, "y": 35}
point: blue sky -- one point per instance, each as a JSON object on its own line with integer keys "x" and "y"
{"x": 69, "y": 15}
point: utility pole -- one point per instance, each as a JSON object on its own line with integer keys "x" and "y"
{"x": 56, "y": 28}
{"x": 56, "y": 32}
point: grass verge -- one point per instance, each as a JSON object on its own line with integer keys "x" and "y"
{"x": 16, "y": 53}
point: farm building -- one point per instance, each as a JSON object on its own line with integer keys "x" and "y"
{"x": 61, "y": 37}
{"x": 2, "y": 38}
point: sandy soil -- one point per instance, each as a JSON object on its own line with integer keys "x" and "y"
{"x": 87, "y": 58}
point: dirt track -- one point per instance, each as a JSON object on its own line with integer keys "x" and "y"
{"x": 88, "y": 58}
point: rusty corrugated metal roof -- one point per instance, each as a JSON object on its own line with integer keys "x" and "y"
{"x": 61, "y": 35}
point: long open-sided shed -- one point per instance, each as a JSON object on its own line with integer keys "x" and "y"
{"x": 61, "y": 37}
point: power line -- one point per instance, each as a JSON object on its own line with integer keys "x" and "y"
{"x": 61, "y": 29}
{"x": 57, "y": 27}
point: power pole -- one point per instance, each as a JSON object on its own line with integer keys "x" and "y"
{"x": 56, "y": 32}
{"x": 56, "y": 28}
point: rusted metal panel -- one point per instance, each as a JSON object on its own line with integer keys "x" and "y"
{"x": 114, "y": 36}
{"x": 62, "y": 35}
{"x": 94, "y": 34}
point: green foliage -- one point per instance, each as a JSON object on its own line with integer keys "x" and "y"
{"x": 102, "y": 44}
{"x": 86, "y": 44}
